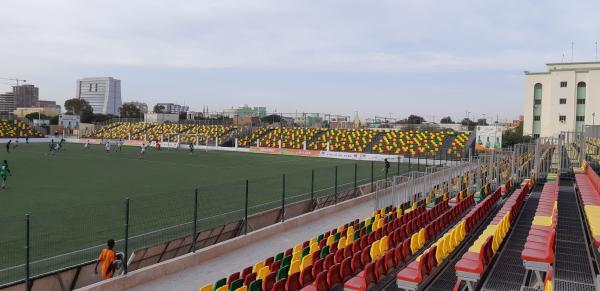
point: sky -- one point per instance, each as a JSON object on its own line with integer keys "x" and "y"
{"x": 379, "y": 58}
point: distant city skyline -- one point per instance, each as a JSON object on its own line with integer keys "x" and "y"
{"x": 427, "y": 57}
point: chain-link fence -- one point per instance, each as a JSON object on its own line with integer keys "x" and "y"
{"x": 58, "y": 239}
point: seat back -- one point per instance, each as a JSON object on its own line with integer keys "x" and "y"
{"x": 317, "y": 267}
{"x": 269, "y": 281}
{"x": 293, "y": 282}
{"x": 250, "y": 278}
{"x": 279, "y": 285}
{"x": 346, "y": 269}
{"x": 233, "y": 277}
{"x": 321, "y": 282}
{"x": 333, "y": 276}
{"x": 306, "y": 277}
{"x": 356, "y": 263}
{"x": 328, "y": 262}
{"x": 370, "y": 276}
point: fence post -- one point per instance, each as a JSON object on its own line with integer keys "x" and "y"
{"x": 355, "y": 176}
{"x": 195, "y": 230}
{"x": 312, "y": 184}
{"x": 27, "y": 237}
{"x": 283, "y": 199}
{"x": 126, "y": 236}
{"x": 246, "y": 211}
{"x": 372, "y": 177}
{"x": 335, "y": 193}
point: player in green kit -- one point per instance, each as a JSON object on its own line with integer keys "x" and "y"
{"x": 191, "y": 148}
{"x": 4, "y": 170}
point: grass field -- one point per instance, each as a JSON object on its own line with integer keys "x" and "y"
{"x": 76, "y": 198}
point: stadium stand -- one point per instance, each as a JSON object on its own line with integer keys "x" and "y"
{"x": 412, "y": 142}
{"x": 291, "y": 137}
{"x": 17, "y": 129}
{"x": 479, "y": 257}
{"x": 415, "y": 143}
{"x": 345, "y": 140}
{"x": 458, "y": 144}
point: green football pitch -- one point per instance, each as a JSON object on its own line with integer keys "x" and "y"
{"x": 76, "y": 198}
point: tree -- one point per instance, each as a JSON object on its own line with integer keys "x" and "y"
{"x": 34, "y": 116}
{"x": 129, "y": 110}
{"x": 446, "y": 120}
{"x": 482, "y": 121}
{"x": 80, "y": 107}
{"x": 101, "y": 117}
{"x": 415, "y": 119}
{"x": 158, "y": 108}
{"x": 273, "y": 118}
{"x": 183, "y": 115}
{"x": 514, "y": 136}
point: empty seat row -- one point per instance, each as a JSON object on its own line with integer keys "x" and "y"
{"x": 538, "y": 252}
{"x": 478, "y": 257}
{"x": 412, "y": 277}
{"x": 539, "y": 247}
{"x": 311, "y": 258}
{"x": 401, "y": 249}
{"x": 588, "y": 185}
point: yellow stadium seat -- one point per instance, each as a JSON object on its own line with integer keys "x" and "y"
{"x": 294, "y": 267}
{"x": 342, "y": 243}
{"x": 306, "y": 261}
{"x": 207, "y": 287}
{"x": 223, "y": 288}
{"x": 383, "y": 244}
{"x": 374, "y": 251}
{"x": 258, "y": 266}
{"x": 263, "y": 272}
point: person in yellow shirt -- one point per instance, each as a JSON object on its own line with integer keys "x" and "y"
{"x": 107, "y": 258}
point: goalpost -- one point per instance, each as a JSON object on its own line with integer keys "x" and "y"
{"x": 200, "y": 141}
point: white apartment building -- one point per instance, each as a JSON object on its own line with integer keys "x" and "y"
{"x": 564, "y": 98}
{"x": 103, "y": 94}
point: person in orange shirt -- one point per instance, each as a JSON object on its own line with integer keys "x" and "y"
{"x": 107, "y": 258}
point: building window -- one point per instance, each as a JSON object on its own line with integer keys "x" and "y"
{"x": 536, "y": 118}
{"x": 96, "y": 87}
{"x": 537, "y": 102}
{"x": 563, "y": 100}
{"x": 580, "y": 101}
{"x": 562, "y": 118}
{"x": 90, "y": 88}
{"x": 536, "y": 135}
{"x": 580, "y": 118}
{"x": 563, "y": 84}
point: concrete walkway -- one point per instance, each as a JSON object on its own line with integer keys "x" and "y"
{"x": 223, "y": 266}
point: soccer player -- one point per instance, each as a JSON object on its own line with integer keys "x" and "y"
{"x": 51, "y": 145}
{"x": 142, "y": 150}
{"x": 158, "y": 145}
{"x": 107, "y": 258}
{"x": 3, "y": 171}
{"x": 27, "y": 139}
{"x": 8, "y": 145}
{"x": 16, "y": 144}
{"x": 107, "y": 146}
{"x": 120, "y": 145}
{"x": 191, "y": 148}
{"x": 57, "y": 147}
{"x": 86, "y": 146}
{"x": 177, "y": 146}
